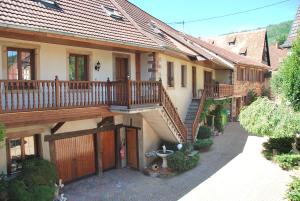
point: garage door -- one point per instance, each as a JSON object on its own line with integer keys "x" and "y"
{"x": 75, "y": 157}
{"x": 108, "y": 149}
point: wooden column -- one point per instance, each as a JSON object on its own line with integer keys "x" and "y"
{"x": 97, "y": 140}
{"x": 129, "y": 93}
{"x": 138, "y": 66}
{"x": 118, "y": 142}
{"x": 57, "y": 91}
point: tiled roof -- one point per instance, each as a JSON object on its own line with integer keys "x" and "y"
{"x": 83, "y": 18}
{"x": 294, "y": 31}
{"x": 253, "y": 41}
{"x": 277, "y": 55}
{"x": 226, "y": 54}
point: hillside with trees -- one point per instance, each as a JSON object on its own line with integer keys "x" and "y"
{"x": 278, "y": 32}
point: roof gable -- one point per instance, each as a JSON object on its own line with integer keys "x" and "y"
{"x": 294, "y": 31}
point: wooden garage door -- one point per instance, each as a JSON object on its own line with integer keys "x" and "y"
{"x": 132, "y": 147}
{"x": 75, "y": 157}
{"x": 108, "y": 149}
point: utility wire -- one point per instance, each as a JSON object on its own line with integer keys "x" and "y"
{"x": 230, "y": 14}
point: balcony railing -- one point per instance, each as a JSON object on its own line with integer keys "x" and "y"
{"x": 218, "y": 90}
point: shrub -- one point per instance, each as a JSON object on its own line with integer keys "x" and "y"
{"x": 181, "y": 161}
{"x": 2, "y": 133}
{"x": 281, "y": 145}
{"x": 221, "y": 119}
{"x": 3, "y": 188}
{"x": 293, "y": 192}
{"x": 204, "y": 132}
{"x": 266, "y": 92}
{"x": 203, "y": 143}
{"x": 251, "y": 97}
{"x": 35, "y": 182}
{"x": 288, "y": 161}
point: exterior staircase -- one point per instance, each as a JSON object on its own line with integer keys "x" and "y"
{"x": 190, "y": 117}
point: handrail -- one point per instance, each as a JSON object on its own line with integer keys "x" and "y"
{"x": 173, "y": 114}
{"x": 218, "y": 90}
{"x": 197, "y": 119}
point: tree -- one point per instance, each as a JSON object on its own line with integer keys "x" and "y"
{"x": 266, "y": 118}
{"x": 2, "y": 133}
{"x": 287, "y": 81}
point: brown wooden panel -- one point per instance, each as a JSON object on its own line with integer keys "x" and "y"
{"x": 132, "y": 147}
{"x": 108, "y": 149}
{"x": 121, "y": 69}
{"x": 194, "y": 82}
{"x": 75, "y": 157}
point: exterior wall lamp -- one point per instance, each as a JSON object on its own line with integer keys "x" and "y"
{"x": 98, "y": 66}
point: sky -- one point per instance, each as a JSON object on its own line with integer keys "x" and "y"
{"x": 184, "y": 10}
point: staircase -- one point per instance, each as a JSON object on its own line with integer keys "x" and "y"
{"x": 190, "y": 117}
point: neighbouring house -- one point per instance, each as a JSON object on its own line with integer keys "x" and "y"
{"x": 93, "y": 85}
{"x": 252, "y": 44}
{"x": 293, "y": 32}
{"x": 277, "y": 55}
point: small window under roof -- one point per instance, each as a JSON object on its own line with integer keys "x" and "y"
{"x": 231, "y": 41}
{"x": 113, "y": 13}
{"x": 49, "y": 4}
{"x": 243, "y": 51}
{"x": 156, "y": 29}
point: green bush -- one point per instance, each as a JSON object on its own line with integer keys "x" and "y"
{"x": 204, "y": 132}
{"x": 288, "y": 161}
{"x": 3, "y": 188}
{"x": 2, "y": 132}
{"x": 293, "y": 192}
{"x": 35, "y": 182}
{"x": 251, "y": 97}
{"x": 203, "y": 143}
{"x": 282, "y": 145}
{"x": 221, "y": 119}
{"x": 181, "y": 161}
{"x": 266, "y": 92}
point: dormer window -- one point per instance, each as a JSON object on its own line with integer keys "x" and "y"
{"x": 232, "y": 41}
{"x": 243, "y": 51}
{"x": 49, "y": 4}
{"x": 156, "y": 29}
{"x": 113, "y": 13}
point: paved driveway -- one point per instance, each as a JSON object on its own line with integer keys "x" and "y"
{"x": 218, "y": 178}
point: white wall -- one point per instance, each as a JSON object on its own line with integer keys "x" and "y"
{"x": 52, "y": 60}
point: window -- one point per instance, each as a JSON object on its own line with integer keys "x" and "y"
{"x": 231, "y": 41}
{"x": 48, "y": 4}
{"x": 156, "y": 29}
{"x": 20, "y": 64}
{"x": 243, "y": 51}
{"x": 170, "y": 72}
{"x": 240, "y": 74}
{"x": 113, "y": 13}
{"x": 20, "y": 149}
{"x": 78, "y": 67}
{"x": 183, "y": 75}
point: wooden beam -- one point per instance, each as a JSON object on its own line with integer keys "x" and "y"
{"x": 106, "y": 121}
{"x": 61, "y": 136}
{"x": 56, "y": 127}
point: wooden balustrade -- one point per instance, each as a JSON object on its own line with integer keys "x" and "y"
{"x": 173, "y": 114}
{"x": 218, "y": 90}
{"x": 37, "y": 95}
{"x": 197, "y": 119}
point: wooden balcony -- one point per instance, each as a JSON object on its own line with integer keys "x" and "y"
{"x": 25, "y": 102}
{"x": 218, "y": 90}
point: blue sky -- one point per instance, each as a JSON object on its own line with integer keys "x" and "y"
{"x": 179, "y": 10}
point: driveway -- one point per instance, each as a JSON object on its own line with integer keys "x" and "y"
{"x": 233, "y": 170}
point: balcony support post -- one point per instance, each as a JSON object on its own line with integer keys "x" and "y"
{"x": 57, "y": 91}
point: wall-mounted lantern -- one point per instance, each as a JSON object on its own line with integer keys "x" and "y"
{"x": 98, "y": 66}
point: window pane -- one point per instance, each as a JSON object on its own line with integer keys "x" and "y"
{"x": 72, "y": 62}
{"x": 12, "y": 64}
{"x": 15, "y": 155}
{"x": 81, "y": 68}
{"x": 29, "y": 147}
{"x": 26, "y": 65}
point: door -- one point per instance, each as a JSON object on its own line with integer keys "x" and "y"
{"x": 75, "y": 157}
{"x": 122, "y": 71}
{"x": 194, "y": 82}
{"x": 238, "y": 106}
{"x": 132, "y": 147}
{"x": 108, "y": 149}
{"x": 208, "y": 81}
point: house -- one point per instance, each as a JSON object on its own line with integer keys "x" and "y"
{"x": 252, "y": 44}
{"x": 277, "y": 55}
{"x": 96, "y": 85}
{"x": 293, "y": 32}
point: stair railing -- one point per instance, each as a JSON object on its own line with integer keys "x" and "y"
{"x": 197, "y": 119}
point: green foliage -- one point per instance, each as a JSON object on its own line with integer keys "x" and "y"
{"x": 203, "y": 143}
{"x": 280, "y": 39}
{"x": 293, "y": 192}
{"x": 3, "y": 188}
{"x": 204, "y": 132}
{"x": 221, "y": 117}
{"x": 181, "y": 161}
{"x": 288, "y": 161}
{"x": 266, "y": 92}
{"x": 251, "y": 97}
{"x": 35, "y": 182}
{"x": 265, "y": 118}
{"x": 287, "y": 81}
{"x": 278, "y": 32}
{"x": 2, "y": 132}
{"x": 282, "y": 145}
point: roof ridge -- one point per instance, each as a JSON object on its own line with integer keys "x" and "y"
{"x": 136, "y": 24}
{"x": 241, "y": 32}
